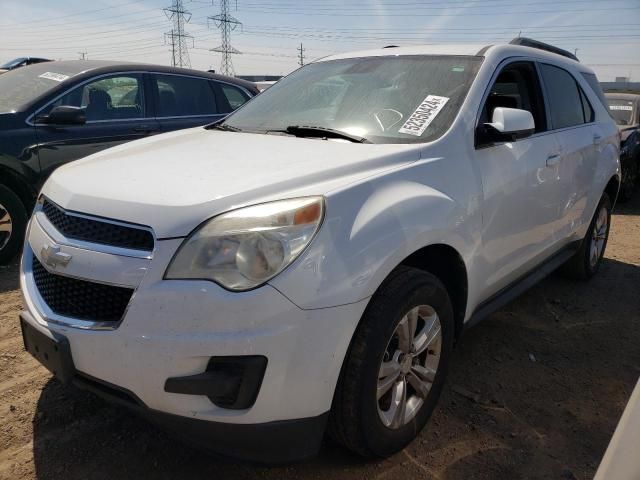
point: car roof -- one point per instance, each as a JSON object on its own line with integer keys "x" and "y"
{"x": 87, "y": 68}
{"x": 494, "y": 51}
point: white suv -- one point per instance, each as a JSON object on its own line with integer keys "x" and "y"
{"x": 307, "y": 264}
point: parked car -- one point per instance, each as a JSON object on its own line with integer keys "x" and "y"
{"x": 625, "y": 110}
{"x": 52, "y": 113}
{"x": 21, "y": 62}
{"x": 309, "y": 262}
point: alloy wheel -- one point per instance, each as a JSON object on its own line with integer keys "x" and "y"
{"x": 599, "y": 236}
{"x": 6, "y": 226}
{"x": 409, "y": 366}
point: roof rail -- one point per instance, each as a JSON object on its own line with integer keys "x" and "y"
{"x": 528, "y": 42}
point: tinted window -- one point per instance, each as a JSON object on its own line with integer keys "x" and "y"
{"x": 234, "y": 96}
{"x": 517, "y": 86}
{"x": 592, "y": 80}
{"x": 563, "y": 97}
{"x": 113, "y": 98}
{"x": 390, "y": 99}
{"x": 180, "y": 96}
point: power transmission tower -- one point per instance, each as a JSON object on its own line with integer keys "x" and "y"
{"x": 301, "y": 56}
{"x": 226, "y": 23}
{"x": 177, "y": 37}
{"x": 83, "y": 55}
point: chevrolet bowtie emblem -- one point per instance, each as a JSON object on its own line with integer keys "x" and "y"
{"x": 52, "y": 256}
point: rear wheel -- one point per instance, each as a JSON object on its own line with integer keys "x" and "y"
{"x": 396, "y": 365}
{"x": 13, "y": 221}
{"x": 586, "y": 262}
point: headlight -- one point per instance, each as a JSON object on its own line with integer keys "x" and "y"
{"x": 245, "y": 248}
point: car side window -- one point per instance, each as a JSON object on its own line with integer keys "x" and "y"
{"x": 112, "y": 98}
{"x": 516, "y": 86}
{"x": 180, "y": 96}
{"x": 234, "y": 96}
{"x": 565, "y": 98}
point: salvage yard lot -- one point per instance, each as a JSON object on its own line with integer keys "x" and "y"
{"x": 534, "y": 392}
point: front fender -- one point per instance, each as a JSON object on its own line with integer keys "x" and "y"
{"x": 369, "y": 229}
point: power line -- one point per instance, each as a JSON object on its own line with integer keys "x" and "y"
{"x": 177, "y": 36}
{"x": 226, "y": 23}
{"x": 414, "y": 14}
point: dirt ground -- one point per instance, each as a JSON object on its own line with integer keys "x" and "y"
{"x": 534, "y": 392}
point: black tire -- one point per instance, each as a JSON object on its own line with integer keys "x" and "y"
{"x": 581, "y": 266}
{"x": 354, "y": 421}
{"x": 13, "y": 208}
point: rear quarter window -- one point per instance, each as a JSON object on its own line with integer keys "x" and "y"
{"x": 593, "y": 82}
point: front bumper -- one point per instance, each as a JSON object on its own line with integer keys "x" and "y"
{"x": 272, "y": 442}
{"x": 172, "y": 328}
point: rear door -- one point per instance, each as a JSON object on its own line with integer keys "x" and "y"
{"x": 183, "y": 101}
{"x": 572, "y": 119}
{"x": 116, "y": 110}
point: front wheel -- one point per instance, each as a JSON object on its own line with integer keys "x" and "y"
{"x": 586, "y": 262}
{"x": 13, "y": 221}
{"x": 396, "y": 365}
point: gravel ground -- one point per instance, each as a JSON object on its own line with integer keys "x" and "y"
{"x": 534, "y": 392}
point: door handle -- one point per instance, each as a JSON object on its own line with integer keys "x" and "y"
{"x": 553, "y": 159}
{"x": 597, "y": 138}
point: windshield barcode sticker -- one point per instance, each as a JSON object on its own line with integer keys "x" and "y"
{"x": 419, "y": 120}
{"x": 56, "y": 77}
{"x": 620, "y": 107}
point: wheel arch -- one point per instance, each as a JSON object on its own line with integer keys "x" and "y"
{"x": 612, "y": 188}
{"x": 19, "y": 186}
{"x": 446, "y": 263}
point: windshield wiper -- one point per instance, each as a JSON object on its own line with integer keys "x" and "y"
{"x": 322, "y": 132}
{"x": 222, "y": 126}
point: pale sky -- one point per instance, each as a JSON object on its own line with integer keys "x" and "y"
{"x": 606, "y": 33}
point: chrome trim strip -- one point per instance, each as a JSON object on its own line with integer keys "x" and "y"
{"x": 191, "y": 116}
{"x": 29, "y": 120}
{"x": 249, "y": 94}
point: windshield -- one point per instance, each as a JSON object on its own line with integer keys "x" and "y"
{"x": 395, "y": 99}
{"x": 20, "y": 86}
{"x": 621, "y": 111}
{"x": 13, "y": 63}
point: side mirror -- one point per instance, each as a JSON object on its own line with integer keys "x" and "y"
{"x": 510, "y": 124}
{"x": 64, "y": 115}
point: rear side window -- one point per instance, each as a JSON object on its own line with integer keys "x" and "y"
{"x": 589, "y": 114}
{"x": 180, "y": 96}
{"x": 564, "y": 97}
{"x": 234, "y": 96}
{"x": 592, "y": 80}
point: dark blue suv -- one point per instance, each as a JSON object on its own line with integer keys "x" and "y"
{"x": 55, "y": 112}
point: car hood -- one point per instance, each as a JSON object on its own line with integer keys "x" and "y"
{"x": 173, "y": 182}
